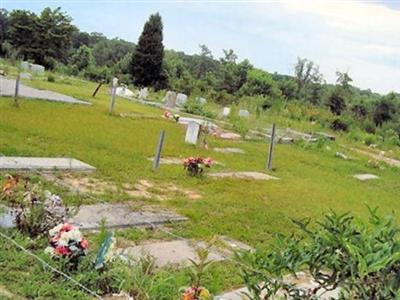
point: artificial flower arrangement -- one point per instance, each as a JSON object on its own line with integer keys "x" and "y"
{"x": 195, "y": 165}
{"x": 66, "y": 241}
{"x": 196, "y": 293}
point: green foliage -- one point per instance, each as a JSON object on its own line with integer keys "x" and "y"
{"x": 194, "y": 106}
{"x": 339, "y": 125}
{"x": 51, "y": 78}
{"x": 362, "y": 259}
{"x": 260, "y": 83}
{"x": 147, "y": 58}
{"x": 336, "y": 102}
{"x": 82, "y": 58}
{"x": 43, "y": 39}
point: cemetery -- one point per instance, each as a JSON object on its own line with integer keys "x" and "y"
{"x": 125, "y": 186}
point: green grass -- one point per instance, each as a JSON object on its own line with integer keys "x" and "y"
{"x": 312, "y": 179}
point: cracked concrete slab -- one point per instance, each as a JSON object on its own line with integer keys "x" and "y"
{"x": 120, "y": 216}
{"x": 43, "y": 164}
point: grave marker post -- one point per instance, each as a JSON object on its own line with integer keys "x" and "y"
{"x": 113, "y": 92}
{"x": 17, "y": 90}
{"x": 271, "y": 148}
{"x": 97, "y": 89}
{"x": 157, "y": 157}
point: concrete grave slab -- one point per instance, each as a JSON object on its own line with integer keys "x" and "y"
{"x": 44, "y": 164}
{"x": 243, "y": 175}
{"x": 119, "y": 216}
{"x": 365, "y": 177}
{"x": 229, "y": 150}
{"x": 7, "y": 88}
{"x": 178, "y": 252}
{"x": 169, "y": 160}
{"x": 229, "y": 136}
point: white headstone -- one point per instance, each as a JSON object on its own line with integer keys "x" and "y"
{"x": 123, "y": 91}
{"x": 36, "y": 68}
{"x": 244, "y": 113}
{"x": 143, "y": 93}
{"x": 170, "y": 99}
{"x": 25, "y": 65}
{"x": 115, "y": 82}
{"x": 181, "y": 99}
{"x": 201, "y": 100}
{"x": 192, "y": 133}
{"x": 226, "y": 111}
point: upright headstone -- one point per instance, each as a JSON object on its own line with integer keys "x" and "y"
{"x": 37, "y": 68}
{"x": 25, "y": 65}
{"x": 170, "y": 99}
{"x": 181, "y": 99}
{"x": 244, "y": 113}
{"x": 226, "y": 111}
{"x": 201, "y": 100}
{"x": 143, "y": 93}
{"x": 192, "y": 133}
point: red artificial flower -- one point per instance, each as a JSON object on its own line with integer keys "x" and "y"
{"x": 62, "y": 250}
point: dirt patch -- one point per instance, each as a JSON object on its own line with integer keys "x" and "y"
{"x": 7, "y": 294}
{"x": 143, "y": 189}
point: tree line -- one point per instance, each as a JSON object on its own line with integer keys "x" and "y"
{"x": 52, "y": 40}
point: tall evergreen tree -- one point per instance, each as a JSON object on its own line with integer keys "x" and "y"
{"x": 147, "y": 58}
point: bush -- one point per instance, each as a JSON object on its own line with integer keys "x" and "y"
{"x": 97, "y": 73}
{"x": 51, "y": 78}
{"x": 362, "y": 259}
{"x": 194, "y": 106}
{"x": 339, "y": 125}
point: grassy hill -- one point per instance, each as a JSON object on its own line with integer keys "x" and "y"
{"x": 312, "y": 179}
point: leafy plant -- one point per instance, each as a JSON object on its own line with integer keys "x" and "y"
{"x": 196, "y": 291}
{"x": 362, "y": 260}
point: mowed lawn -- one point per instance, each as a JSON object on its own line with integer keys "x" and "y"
{"x": 312, "y": 179}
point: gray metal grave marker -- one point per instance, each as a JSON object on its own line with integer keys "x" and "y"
{"x": 156, "y": 162}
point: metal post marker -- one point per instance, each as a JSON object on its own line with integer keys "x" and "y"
{"x": 156, "y": 162}
{"x": 16, "y": 89}
{"x": 271, "y": 147}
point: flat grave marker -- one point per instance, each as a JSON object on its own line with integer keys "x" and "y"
{"x": 44, "y": 164}
{"x": 243, "y": 175}
{"x": 365, "y": 177}
{"x": 120, "y": 216}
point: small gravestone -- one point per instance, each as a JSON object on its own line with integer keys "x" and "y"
{"x": 143, "y": 93}
{"x": 181, "y": 99}
{"x": 37, "y": 68}
{"x": 244, "y": 113}
{"x": 201, "y": 100}
{"x": 192, "y": 133}
{"x": 25, "y": 76}
{"x": 170, "y": 99}
{"x": 25, "y": 65}
{"x": 226, "y": 111}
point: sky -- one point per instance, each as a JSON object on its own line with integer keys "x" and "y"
{"x": 358, "y": 37}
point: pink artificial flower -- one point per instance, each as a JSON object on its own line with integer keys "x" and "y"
{"x": 84, "y": 243}
{"x": 62, "y": 250}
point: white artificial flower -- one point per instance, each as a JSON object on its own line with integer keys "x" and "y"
{"x": 54, "y": 231}
{"x": 49, "y": 251}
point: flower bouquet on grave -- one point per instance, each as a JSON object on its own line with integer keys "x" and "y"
{"x": 66, "y": 241}
{"x": 195, "y": 165}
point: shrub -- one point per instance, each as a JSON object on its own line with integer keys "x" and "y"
{"x": 362, "y": 259}
{"x": 194, "y": 106}
{"x": 51, "y": 78}
{"x": 339, "y": 125}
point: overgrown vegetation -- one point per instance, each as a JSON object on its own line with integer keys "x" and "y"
{"x": 361, "y": 260}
